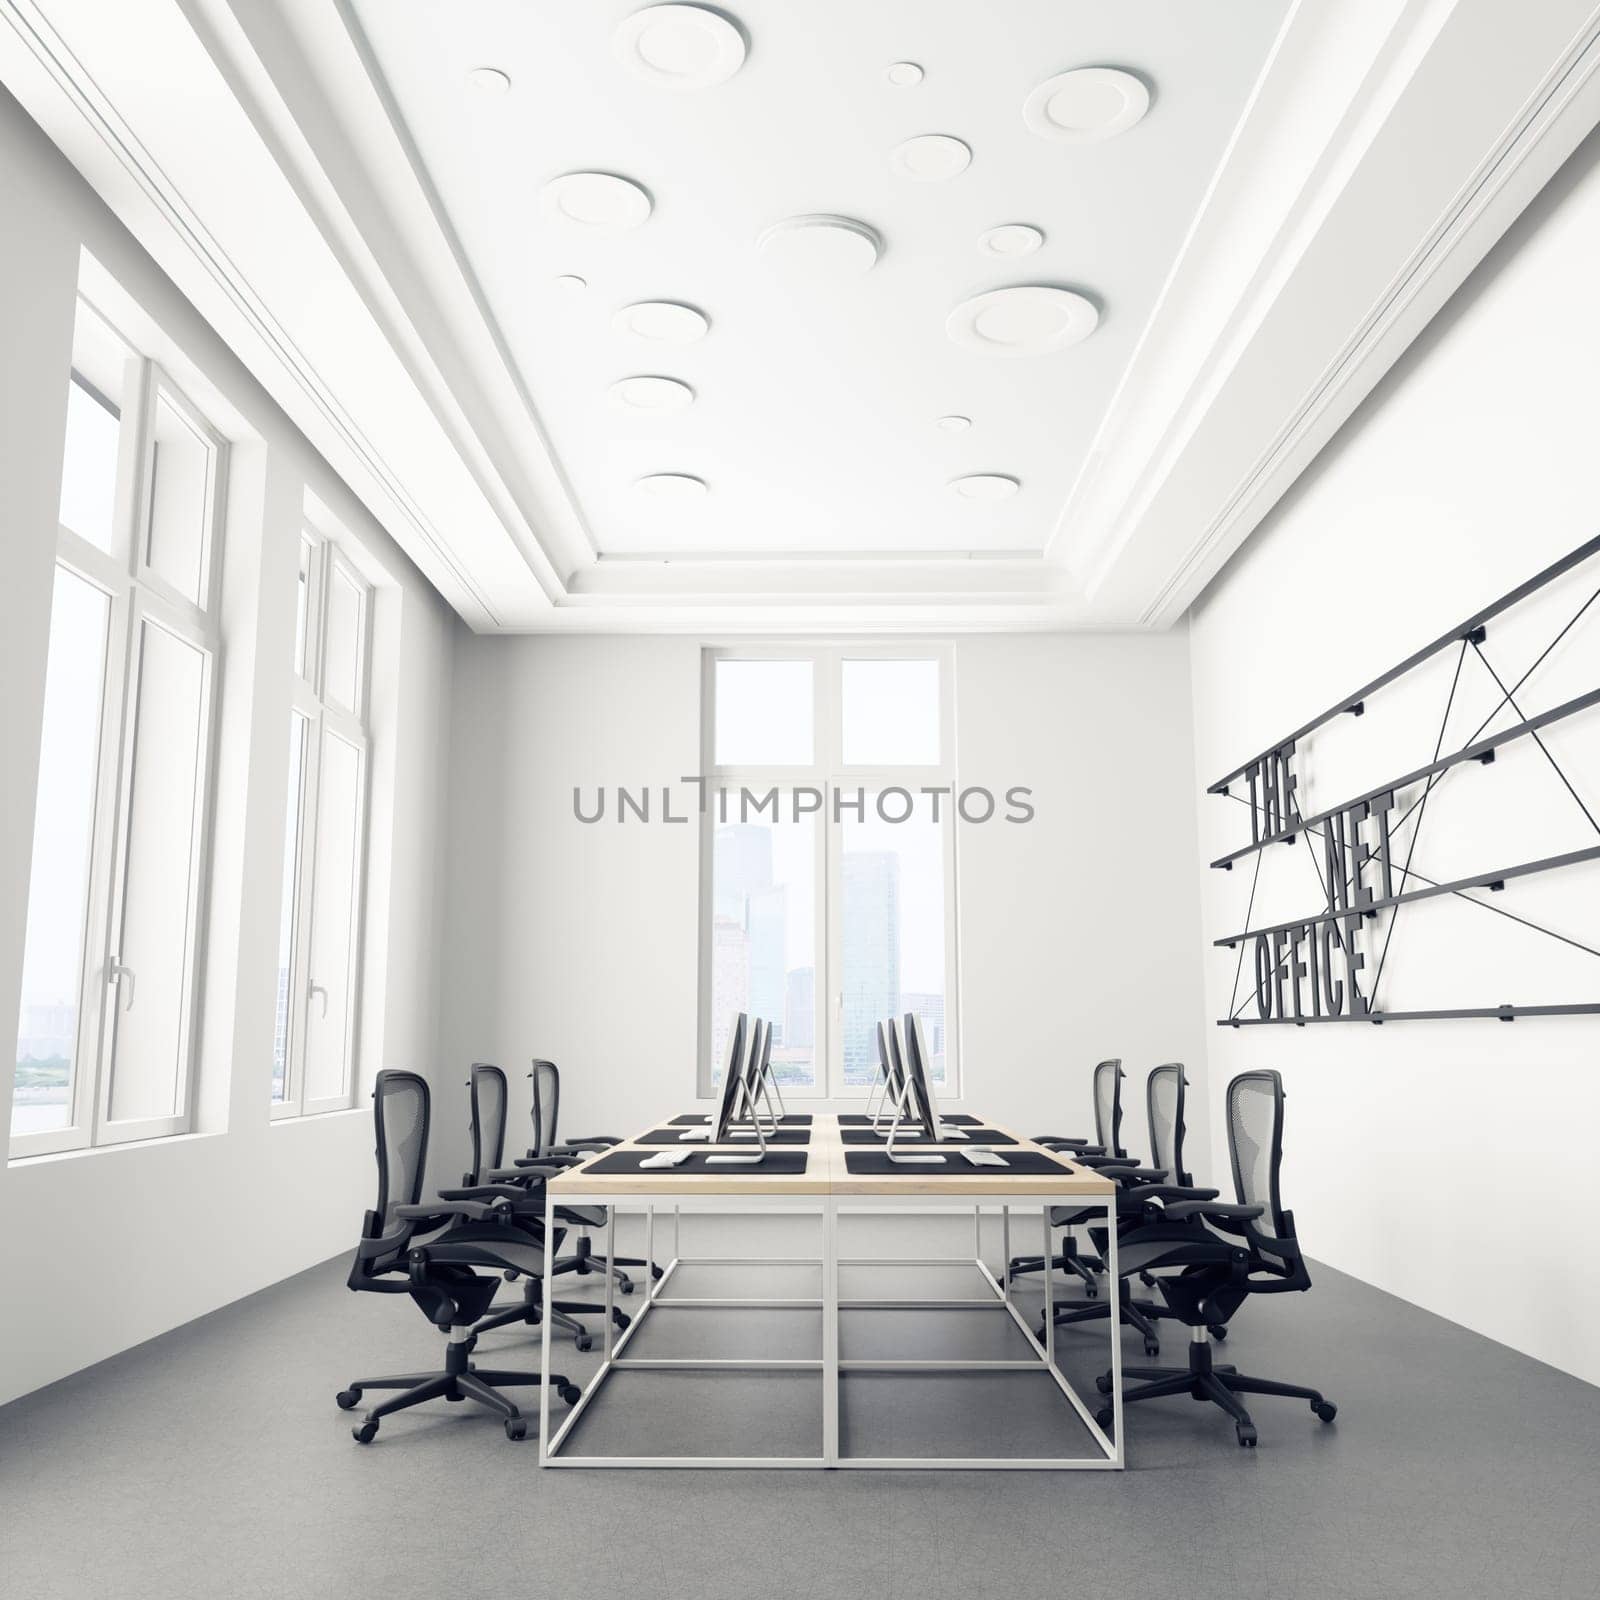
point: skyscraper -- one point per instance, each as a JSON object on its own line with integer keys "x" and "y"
{"x": 870, "y": 931}
{"x": 800, "y": 1009}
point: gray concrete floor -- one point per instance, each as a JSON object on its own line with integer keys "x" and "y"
{"x": 212, "y": 1461}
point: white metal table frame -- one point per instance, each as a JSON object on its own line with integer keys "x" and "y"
{"x": 996, "y": 1296}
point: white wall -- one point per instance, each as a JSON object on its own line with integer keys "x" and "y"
{"x": 1473, "y": 466}
{"x": 578, "y": 942}
{"x": 102, "y": 1249}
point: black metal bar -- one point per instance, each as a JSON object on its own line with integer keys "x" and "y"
{"x": 1460, "y": 631}
{"x": 1483, "y": 750}
{"x": 1479, "y": 880}
{"x": 1587, "y": 1008}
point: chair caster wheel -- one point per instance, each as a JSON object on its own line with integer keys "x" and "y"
{"x": 1327, "y": 1410}
{"x": 1246, "y": 1434}
{"x": 1217, "y": 1331}
{"x": 624, "y": 1285}
{"x": 1151, "y": 1348}
{"x": 347, "y": 1399}
{"x": 621, "y": 1318}
{"x": 364, "y": 1432}
{"x": 571, "y": 1393}
{"x": 583, "y": 1341}
{"x": 1103, "y": 1416}
{"x": 511, "y": 1274}
{"x": 1090, "y": 1292}
{"x": 656, "y": 1272}
{"x": 1103, "y": 1383}
{"x": 516, "y": 1427}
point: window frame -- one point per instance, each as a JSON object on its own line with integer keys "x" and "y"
{"x": 323, "y": 718}
{"x": 828, "y": 772}
{"x": 137, "y": 593}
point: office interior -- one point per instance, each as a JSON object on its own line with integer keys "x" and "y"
{"x": 884, "y": 586}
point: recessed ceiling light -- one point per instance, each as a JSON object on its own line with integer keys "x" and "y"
{"x": 904, "y": 74}
{"x": 931, "y": 157}
{"x": 1086, "y": 105}
{"x": 489, "y": 80}
{"x": 598, "y": 200}
{"x": 953, "y": 423}
{"x": 989, "y": 486}
{"x": 673, "y": 486}
{"x": 1011, "y": 239}
{"x": 570, "y": 282}
{"x": 652, "y": 394}
{"x": 1030, "y": 321}
{"x": 662, "y": 322}
{"x": 682, "y": 47}
{"x": 821, "y": 246}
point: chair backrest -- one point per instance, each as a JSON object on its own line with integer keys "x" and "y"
{"x": 1255, "y": 1146}
{"x": 400, "y": 1113}
{"x": 1108, "y": 1107}
{"x": 487, "y": 1096}
{"x": 1163, "y": 1099}
{"x": 546, "y": 1104}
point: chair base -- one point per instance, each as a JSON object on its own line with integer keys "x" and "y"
{"x": 1137, "y": 1314}
{"x": 530, "y": 1310}
{"x": 583, "y": 1261}
{"x": 457, "y": 1380}
{"x": 1088, "y": 1268}
{"x": 1202, "y": 1379}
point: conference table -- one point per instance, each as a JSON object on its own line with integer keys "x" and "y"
{"x": 834, "y": 1165}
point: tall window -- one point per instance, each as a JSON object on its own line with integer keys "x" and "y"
{"x": 319, "y": 928}
{"x": 828, "y": 857}
{"x": 106, "y": 1040}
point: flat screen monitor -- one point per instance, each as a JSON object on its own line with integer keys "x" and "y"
{"x": 733, "y": 1081}
{"x": 922, "y": 1105}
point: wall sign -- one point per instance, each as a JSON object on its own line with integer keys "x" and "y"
{"x": 1326, "y": 966}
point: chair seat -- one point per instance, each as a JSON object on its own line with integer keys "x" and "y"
{"x": 586, "y": 1216}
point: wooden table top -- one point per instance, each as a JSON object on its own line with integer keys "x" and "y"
{"x": 826, "y": 1172}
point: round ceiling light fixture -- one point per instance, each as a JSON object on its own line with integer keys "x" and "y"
{"x": 1086, "y": 105}
{"x": 599, "y": 200}
{"x": 1011, "y": 239}
{"x": 680, "y": 47}
{"x": 489, "y": 80}
{"x": 652, "y": 393}
{"x": 989, "y": 486}
{"x": 679, "y": 486}
{"x": 903, "y": 74}
{"x": 822, "y": 246}
{"x": 662, "y": 322}
{"x": 931, "y": 157}
{"x": 1029, "y": 321}
{"x": 954, "y": 423}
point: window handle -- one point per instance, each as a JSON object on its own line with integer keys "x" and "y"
{"x": 312, "y": 991}
{"x": 119, "y": 973}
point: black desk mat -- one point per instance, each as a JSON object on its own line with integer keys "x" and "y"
{"x": 674, "y": 1136}
{"x": 869, "y": 1137}
{"x": 956, "y": 1119}
{"x": 778, "y": 1164}
{"x": 794, "y": 1119}
{"x": 876, "y": 1164}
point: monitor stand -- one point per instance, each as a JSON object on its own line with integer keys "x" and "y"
{"x": 740, "y": 1158}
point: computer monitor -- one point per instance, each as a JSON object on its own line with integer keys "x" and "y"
{"x": 737, "y": 1088}
{"x": 892, "y": 1065}
{"x": 733, "y": 1078}
{"x": 924, "y": 1106}
{"x": 758, "y": 1068}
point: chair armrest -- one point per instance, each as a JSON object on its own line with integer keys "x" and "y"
{"x": 1114, "y": 1165}
{"x": 515, "y": 1196}
{"x": 1141, "y": 1175}
{"x": 383, "y": 1245}
{"x": 526, "y": 1176}
{"x": 472, "y": 1210}
{"x": 604, "y": 1142}
{"x": 1077, "y": 1144}
{"x": 1212, "y": 1211}
{"x": 552, "y": 1158}
{"x": 1166, "y": 1191}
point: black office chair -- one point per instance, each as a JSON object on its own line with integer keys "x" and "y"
{"x": 1138, "y": 1187}
{"x": 487, "y": 1097}
{"x": 1106, "y": 1151}
{"x": 1206, "y": 1272}
{"x": 546, "y": 1111}
{"x": 428, "y": 1252}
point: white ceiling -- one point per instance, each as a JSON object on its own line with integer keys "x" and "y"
{"x": 814, "y": 417}
{"x": 368, "y": 231}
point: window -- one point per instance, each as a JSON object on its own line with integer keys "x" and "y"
{"x": 112, "y": 960}
{"x": 319, "y": 929}
{"x": 828, "y": 857}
